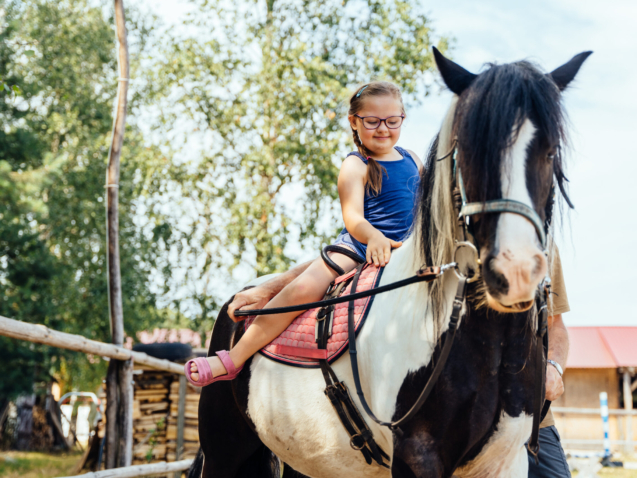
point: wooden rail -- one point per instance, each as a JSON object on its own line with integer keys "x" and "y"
{"x": 139, "y": 470}
{"x": 43, "y": 335}
{"x": 593, "y": 411}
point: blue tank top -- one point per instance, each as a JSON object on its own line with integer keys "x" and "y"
{"x": 391, "y": 211}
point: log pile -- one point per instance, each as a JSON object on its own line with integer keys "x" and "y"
{"x": 191, "y": 422}
{"x": 155, "y": 417}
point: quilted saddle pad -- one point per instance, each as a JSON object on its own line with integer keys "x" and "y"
{"x": 297, "y": 344}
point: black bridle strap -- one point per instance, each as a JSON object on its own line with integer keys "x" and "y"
{"x": 423, "y": 275}
{"x": 540, "y": 376}
{"x": 507, "y": 205}
{"x": 444, "y": 355}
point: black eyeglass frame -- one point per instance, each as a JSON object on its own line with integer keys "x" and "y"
{"x": 382, "y": 120}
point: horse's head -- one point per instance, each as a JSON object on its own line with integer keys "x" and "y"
{"x": 508, "y": 127}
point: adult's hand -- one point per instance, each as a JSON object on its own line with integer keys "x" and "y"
{"x": 554, "y": 384}
{"x": 249, "y": 299}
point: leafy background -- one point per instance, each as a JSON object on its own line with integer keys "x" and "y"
{"x": 234, "y": 139}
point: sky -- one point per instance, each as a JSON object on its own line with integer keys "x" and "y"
{"x": 598, "y": 241}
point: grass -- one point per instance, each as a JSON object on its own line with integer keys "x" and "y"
{"x": 31, "y": 464}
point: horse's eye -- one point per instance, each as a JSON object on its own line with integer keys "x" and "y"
{"x": 551, "y": 154}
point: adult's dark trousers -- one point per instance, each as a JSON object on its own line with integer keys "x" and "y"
{"x": 552, "y": 460}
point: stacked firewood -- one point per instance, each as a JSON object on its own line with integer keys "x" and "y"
{"x": 150, "y": 414}
{"x": 191, "y": 423}
{"x": 155, "y": 417}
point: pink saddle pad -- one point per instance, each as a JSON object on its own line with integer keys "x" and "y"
{"x": 297, "y": 344}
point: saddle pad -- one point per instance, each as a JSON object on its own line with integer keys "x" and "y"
{"x": 297, "y": 344}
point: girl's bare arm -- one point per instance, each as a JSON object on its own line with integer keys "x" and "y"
{"x": 351, "y": 190}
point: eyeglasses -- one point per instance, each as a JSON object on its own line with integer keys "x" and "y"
{"x": 372, "y": 122}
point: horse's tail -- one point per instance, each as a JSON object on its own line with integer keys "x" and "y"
{"x": 196, "y": 469}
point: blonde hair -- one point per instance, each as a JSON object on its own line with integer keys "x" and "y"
{"x": 374, "y": 178}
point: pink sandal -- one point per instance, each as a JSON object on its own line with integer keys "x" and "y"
{"x": 205, "y": 374}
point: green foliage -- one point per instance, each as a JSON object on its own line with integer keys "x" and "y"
{"x": 256, "y": 91}
{"x": 53, "y": 152}
{"x": 263, "y": 88}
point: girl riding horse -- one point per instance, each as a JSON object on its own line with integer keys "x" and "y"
{"x": 377, "y": 187}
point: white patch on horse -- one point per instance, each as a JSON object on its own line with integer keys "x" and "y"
{"x": 519, "y": 257}
{"x": 504, "y": 455}
{"x": 513, "y": 228}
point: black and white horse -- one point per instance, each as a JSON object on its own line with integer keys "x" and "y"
{"x": 507, "y": 123}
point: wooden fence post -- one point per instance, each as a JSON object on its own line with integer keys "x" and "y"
{"x": 628, "y": 406}
{"x": 181, "y": 419}
{"x": 118, "y": 399}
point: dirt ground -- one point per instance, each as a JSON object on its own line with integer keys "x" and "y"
{"x": 22, "y": 464}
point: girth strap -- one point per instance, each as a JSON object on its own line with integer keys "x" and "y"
{"x": 361, "y": 437}
{"x": 444, "y": 355}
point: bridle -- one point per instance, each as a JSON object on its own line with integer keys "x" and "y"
{"x": 464, "y": 210}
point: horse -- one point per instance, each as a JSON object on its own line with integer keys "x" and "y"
{"x": 505, "y": 127}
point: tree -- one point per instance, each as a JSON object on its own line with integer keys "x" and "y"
{"x": 263, "y": 87}
{"x": 53, "y": 151}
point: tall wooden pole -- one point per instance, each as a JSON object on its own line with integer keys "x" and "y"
{"x": 628, "y": 406}
{"x": 119, "y": 399}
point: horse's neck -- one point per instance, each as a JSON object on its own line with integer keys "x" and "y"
{"x": 400, "y": 333}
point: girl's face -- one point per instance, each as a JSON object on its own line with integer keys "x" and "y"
{"x": 382, "y": 139}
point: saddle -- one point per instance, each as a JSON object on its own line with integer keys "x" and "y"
{"x": 319, "y": 336}
{"x": 300, "y": 344}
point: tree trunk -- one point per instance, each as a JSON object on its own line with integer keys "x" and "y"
{"x": 119, "y": 432}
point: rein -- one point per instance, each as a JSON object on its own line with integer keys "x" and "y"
{"x": 426, "y": 274}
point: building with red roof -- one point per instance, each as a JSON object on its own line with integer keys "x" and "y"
{"x": 601, "y": 359}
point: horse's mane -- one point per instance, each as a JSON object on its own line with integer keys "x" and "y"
{"x": 495, "y": 105}
{"x": 434, "y": 220}
{"x": 483, "y": 118}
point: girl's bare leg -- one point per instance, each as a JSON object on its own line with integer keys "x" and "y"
{"x": 310, "y": 286}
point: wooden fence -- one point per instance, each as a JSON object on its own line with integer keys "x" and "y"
{"x": 139, "y": 470}
{"x": 43, "y": 335}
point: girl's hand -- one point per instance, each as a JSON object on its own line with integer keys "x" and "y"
{"x": 253, "y": 298}
{"x": 379, "y": 249}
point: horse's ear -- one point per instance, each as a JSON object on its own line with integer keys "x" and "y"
{"x": 455, "y": 77}
{"x": 563, "y": 75}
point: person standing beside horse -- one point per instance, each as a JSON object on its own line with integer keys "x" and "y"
{"x": 377, "y": 188}
{"x": 551, "y": 458}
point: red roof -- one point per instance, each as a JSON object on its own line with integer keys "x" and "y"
{"x": 602, "y": 347}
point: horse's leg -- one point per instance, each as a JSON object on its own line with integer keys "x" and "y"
{"x": 230, "y": 448}
{"x": 416, "y": 456}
